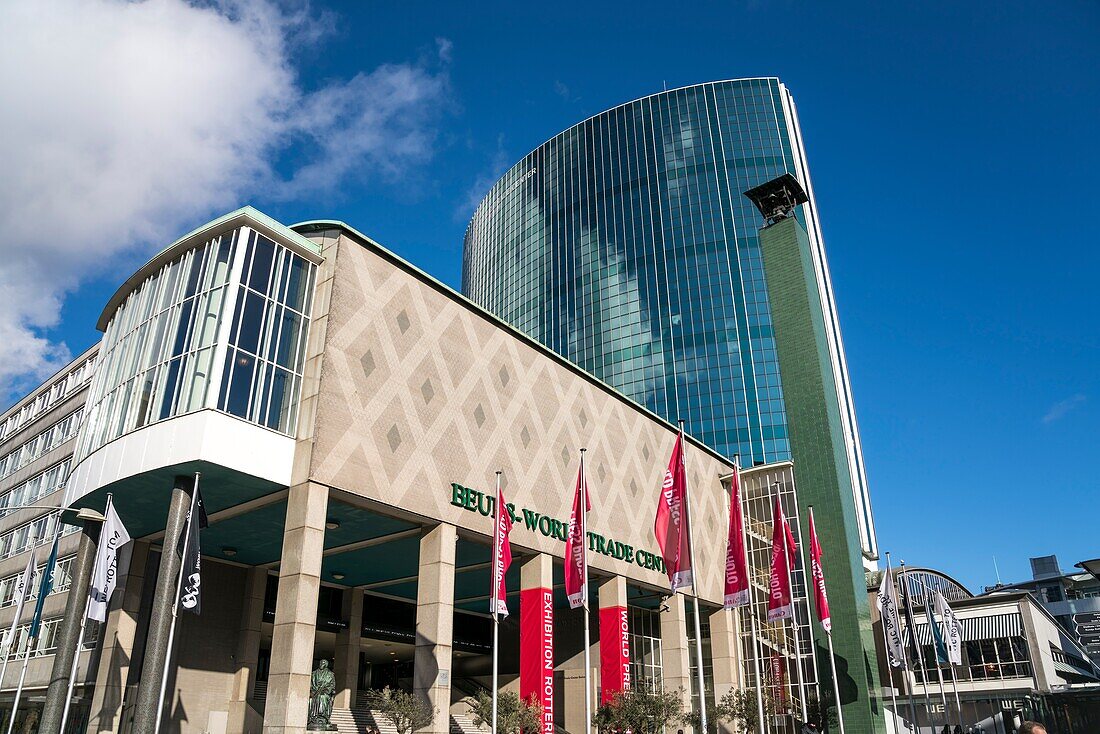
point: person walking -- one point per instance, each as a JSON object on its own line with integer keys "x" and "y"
{"x": 1031, "y": 727}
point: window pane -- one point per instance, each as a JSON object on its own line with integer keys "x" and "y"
{"x": 251, "y": 322}
{"x": 240, "y": 385}
{"x": 282, "y": 389}
{"x": 261, "y": 263}
{"x": 170, "y": 381}
{"x": 290, "y": 330}
{"x": 297, "y": 293}
{"x": 196, "y": 377}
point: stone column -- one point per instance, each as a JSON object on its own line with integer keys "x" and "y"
{"x": 435, "y": 595}
{"x": 287, "y": 708}
{"x": 725, "y": 651}
{"x": 676, "y": 668}
{"x": 117, "y": 652}
{"x": 614, "y": 640}
{"x": 160, "y": 616}
{"x": 58, "y": 690}
{"x": 346, "y": 666}
{"x": 248, "y": 650}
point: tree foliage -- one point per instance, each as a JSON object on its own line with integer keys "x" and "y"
{"x": 739, "y": 707}
{"x": 821, "y": 712}
{"x": 640, "y": 710}
{"x": 715, "y": 715}
{"x": 513, "y": 714}
{"x": 405, "y": 711}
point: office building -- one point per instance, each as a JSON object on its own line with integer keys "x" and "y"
{"x": 625, "y": 243}
{"x": 342, "y": 414}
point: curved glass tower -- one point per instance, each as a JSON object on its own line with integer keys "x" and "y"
{"x": 626, "y": 245}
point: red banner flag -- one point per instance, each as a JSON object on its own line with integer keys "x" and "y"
{"x": 536, "y": 653}
{"x": 737, "y": 567}
{"x": 576, "y": 553}
{"x": 792, "y": 549}
{"x": 670, "y": 527}
{"x": 502, "y": 555}
{"x": 777, "y": 678}
{"x": 821, "y": 599}
{"x": 614, "y": 652}
{"x": 779, "y": 584}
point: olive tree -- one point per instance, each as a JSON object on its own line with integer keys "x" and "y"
{"x": 406, "y": 711}
{"x": 514, "y": 715}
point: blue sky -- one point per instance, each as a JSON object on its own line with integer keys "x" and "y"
{"x": 952, "y": 147}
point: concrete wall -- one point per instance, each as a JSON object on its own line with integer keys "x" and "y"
{"x": 205, "y": 652}
{"x": 420, "y": 389}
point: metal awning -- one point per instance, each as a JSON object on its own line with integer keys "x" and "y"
{"x": 1065, "y": 669}
{"x": 980, "y": 628}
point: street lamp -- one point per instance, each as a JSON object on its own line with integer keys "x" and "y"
{"x": 1092, "y": 567}
{"x": 83, "y": 514}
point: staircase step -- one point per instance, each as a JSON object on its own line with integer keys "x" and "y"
{"x": 360, "y": 720}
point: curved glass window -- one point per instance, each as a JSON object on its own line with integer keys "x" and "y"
{"x": 625, "y": 245}
{"x": 231, "y": 313}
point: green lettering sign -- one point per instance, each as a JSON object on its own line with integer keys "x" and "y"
{"x": 472, "y": 500}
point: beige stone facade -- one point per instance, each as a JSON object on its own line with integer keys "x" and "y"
{"x": 411, "y": 399}
{"x": 419, "y": 389}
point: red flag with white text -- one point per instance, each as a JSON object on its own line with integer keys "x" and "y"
{"x": 821, "y": 599}
{"x": 792, "y": 549}
{"x": 779, "y": 582}
{"x": 576, "y": 553}
{"x": 737, "y": 567}
{"x": 670, "y": 526}
{"x": 502, "y": 555}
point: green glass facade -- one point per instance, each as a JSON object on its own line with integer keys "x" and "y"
{"x": 624, "y": 243}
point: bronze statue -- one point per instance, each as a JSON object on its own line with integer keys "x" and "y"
{"x": 322, "y": 690}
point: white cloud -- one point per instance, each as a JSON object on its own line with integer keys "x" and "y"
{"x": 498, "y": 163}
{"x": 123, "y": 123}
{"x": 1062, "y": 407}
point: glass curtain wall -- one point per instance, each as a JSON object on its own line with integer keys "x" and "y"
{"x": 759, "y": 489}
{"x": 232, "y": 313}
{"x": 625, "y": 245}
{"x": 645, "y": 649}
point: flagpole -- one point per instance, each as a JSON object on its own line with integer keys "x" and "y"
{"x": 30, "y": 640}
{"x": 13, "y": 633}
{"x": 583, "y": 520}
{"x": 752, "y": 611}
{"x": 19, "y": 688}
{"x": 886, "y": 646}
{"x": 83, "y": 624}
{"x": 920, "y": 653}
{"x": 955, "y": 687}
{"x": 934, "y": 620}
{"x": 794, "y": 616}
{"x": 756, "y": 665}
{"x": 495, "y": 591}
{"x": 939, "y": 672}
{"x": 828, "y": 634}
{"x": 176, "y": 601}
{"x": 695, "y": 596}
{"x": 806, "y": 579}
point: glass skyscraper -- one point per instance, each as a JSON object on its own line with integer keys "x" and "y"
{"x": 625, "y": 244}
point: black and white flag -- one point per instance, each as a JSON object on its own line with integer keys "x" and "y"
{"x": 112, "y": 536}
{"x": 952, "y": 630}
{"x": 891, "y": 622}
{"x": 190, "y": 550}
{"x": 22, "y": 589}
